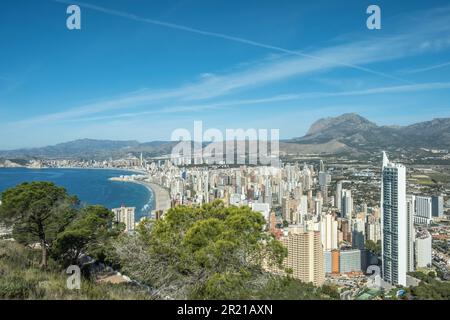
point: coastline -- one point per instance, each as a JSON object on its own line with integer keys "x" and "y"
{"x": 161, "y": 195}
{"x": 134, "y": 171}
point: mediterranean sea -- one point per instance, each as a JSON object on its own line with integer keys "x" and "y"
{"x": 91, "y": 186}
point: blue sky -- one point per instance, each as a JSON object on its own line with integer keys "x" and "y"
{"x": 140, "y": 69}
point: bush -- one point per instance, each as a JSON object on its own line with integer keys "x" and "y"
{"x": 14, "y": 287}
{"x": 21, "y": 277}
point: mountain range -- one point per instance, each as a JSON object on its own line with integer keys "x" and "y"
{"x": 358, "y": 133}
{"x": 348, "y": 133}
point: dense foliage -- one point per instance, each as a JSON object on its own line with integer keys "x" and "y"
{"x": 429, "y": 287}
{"x": 38, "y": 211}
{"x": 210, "y": 252}
{"x": 207, "y": 252}
{"x": 374, "y": 247}
{"x": 88, "y": 234}
{"x": 43, "y": 213}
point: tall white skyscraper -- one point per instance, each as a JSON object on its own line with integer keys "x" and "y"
{"x": 347, "y": 204}
{"x": 318, "y": 206}
{"x": 338, "y": 196}
{"x": 321, "y": 166}
{"x": 303, "y": 208}
{"x": 394, "y": 244}
{"x": 329, "y": 232}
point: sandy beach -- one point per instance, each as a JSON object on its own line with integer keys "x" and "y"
{"x": 162, "y": 196}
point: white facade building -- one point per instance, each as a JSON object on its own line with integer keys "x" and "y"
{"x": 423, "y": 250}
{"x": 423, "y": 211}
{"x": 347, "y": 204}
{"x": 264, "y": 208}
{"x": 394, "y": 244}
{"x": 329, "y": 232}
{"x": 125, "y": 215}
{"x": 410, "y": 211}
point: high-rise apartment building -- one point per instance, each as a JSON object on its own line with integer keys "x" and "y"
{"x": 394, "y": 244}
{"x": 358, "y": 233}
{"x": 350, "y": 261}
{"x": 437, "y": 206}
{"x": 303, "y": 208}
{"x": 125, "y": 215}
{"x": 347, "y": 204}
{"x": 318, "y": 206}
{"x": 410, "y": 210}
{"x": 329, "y": 232}
{"x": 423, "y": 211}
{"x": 305, "y": 255}
{"x": 423, "y": 249}
{"x": 324, "y": 178}
{"x": 338, "y": 196}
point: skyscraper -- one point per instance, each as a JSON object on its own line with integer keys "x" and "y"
{"x": 358, "y": 233}
{"x": 321, "y": 166}
{"x": 423, "y": 249}
{"x": 305, "y": 255}
{"x": 329, "y": 232}
{"x": 394, "y": 244}
{"x": 324, "y": 178}
{"x": 125, "y": 215}
{"x": 423, "y": 213}
{"x": 347, "y": 204}
{"x": 338, "y": 196}
{"x": 437, "y": 206}
{"x": 410, "y": 209}
{"x": 303, "y": 208}
{"x": 318, "y": 206}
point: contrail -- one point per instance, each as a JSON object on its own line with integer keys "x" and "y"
{"x": 442, "y": 65}
{"x": 225, "y": 37}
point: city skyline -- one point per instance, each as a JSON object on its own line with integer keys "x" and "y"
{"x": 197, "y": 150}
{"x": 140, "y": 73}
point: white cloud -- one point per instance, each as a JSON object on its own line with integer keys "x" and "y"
{"x": 293, "y": 64}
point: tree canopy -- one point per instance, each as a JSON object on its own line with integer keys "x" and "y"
{"x": 208, "y": 252}
{"x": 89, "y": 234}
{"x": 429, "y": 287}
{"x": 38, "y": 211}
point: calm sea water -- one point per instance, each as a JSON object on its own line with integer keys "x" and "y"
{"x": 90, "y": 185}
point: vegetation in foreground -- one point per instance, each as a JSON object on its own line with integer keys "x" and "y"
{"x": 211, "y": 252}
{"x": 208, "y": 252}
{"x": 430, "y": 287}
{"x": 21, "y": 277}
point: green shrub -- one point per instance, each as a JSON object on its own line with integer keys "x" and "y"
{"x": 14, "y": 287}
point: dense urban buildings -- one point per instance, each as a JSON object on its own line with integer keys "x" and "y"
{"x": 330, "y": 217}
